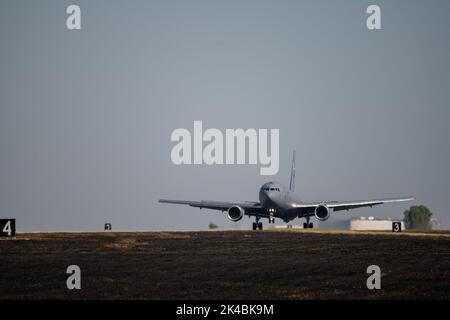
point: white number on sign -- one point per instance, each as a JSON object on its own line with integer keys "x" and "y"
{"x": 7, "y": 228}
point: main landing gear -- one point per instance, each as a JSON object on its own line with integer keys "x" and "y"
{"x": 307, "y": 224}
{"x": 257, "y": 225}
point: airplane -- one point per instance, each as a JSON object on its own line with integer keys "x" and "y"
{"x": 278, "y": 201}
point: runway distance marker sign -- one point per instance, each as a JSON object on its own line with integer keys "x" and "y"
{"x": 396, "y": 226}
{"x": 7, "y": 227}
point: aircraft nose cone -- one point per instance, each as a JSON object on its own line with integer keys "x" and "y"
{"x": 263, "y": 196}
{"x": 266, "y": 198}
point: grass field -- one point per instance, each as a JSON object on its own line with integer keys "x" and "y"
{"x": 282, "y": 264}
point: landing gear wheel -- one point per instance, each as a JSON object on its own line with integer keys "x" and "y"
{"x": 305, "y": 225}
{"x": 254, "y": 225}
{"x": 260, "y": 227}
{"x": 311, "y": 225}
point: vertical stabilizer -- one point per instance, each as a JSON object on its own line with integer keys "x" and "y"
{"x": 292, "y": 182}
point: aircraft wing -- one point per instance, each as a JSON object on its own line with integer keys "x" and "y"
{"x": 307, "y": 209}
{"x": 250, "y": 208}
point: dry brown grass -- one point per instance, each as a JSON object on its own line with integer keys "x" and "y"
{"x": 282, "y": 264}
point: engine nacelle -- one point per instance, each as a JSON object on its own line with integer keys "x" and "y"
{"x": 235, "y": 213}
{"x": 322, "y": 212}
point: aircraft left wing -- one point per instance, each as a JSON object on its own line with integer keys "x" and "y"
{"x": 307, "y": 209}
{"x": 250, "y": 208}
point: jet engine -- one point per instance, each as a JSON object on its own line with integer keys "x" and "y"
{"x": 235, "y": 213}
{"x": 322, "y": 212}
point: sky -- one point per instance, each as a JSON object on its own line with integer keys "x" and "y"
{"x": 86, "y": 115}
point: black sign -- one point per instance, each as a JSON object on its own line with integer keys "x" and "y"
{"x": 396, "y": 226}
{"x": 7, "y": 227}
{"x": 108, "y": 226}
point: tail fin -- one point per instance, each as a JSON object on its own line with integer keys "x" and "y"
{"x": 292, "y": 182}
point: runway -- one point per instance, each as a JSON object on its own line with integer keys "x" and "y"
{"x": 277, "y": 264}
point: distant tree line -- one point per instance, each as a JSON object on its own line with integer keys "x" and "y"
{"x": 213, "y": 226}
{"x": 417, "y": 217}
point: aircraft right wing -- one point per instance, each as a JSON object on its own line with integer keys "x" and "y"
{"x": 307, "y": 209}
{"x": 250, "y": 208}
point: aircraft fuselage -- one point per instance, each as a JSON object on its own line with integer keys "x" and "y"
{"x": 277, "y": 199}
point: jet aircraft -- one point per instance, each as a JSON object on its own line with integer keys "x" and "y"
{"x": 279, "y": 201}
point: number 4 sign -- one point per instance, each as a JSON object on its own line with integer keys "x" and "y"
{"x": 7, "y": 227}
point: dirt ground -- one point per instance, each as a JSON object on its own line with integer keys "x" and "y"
{"x": 295, "y": 264}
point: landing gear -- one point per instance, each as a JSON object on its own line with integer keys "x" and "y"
{"x": 307, "y": 224}
{"x": 257, "y": 225}
{"x": 271, "y": 220}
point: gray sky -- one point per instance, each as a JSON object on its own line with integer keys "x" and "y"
{"x": 86, "y": 116}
